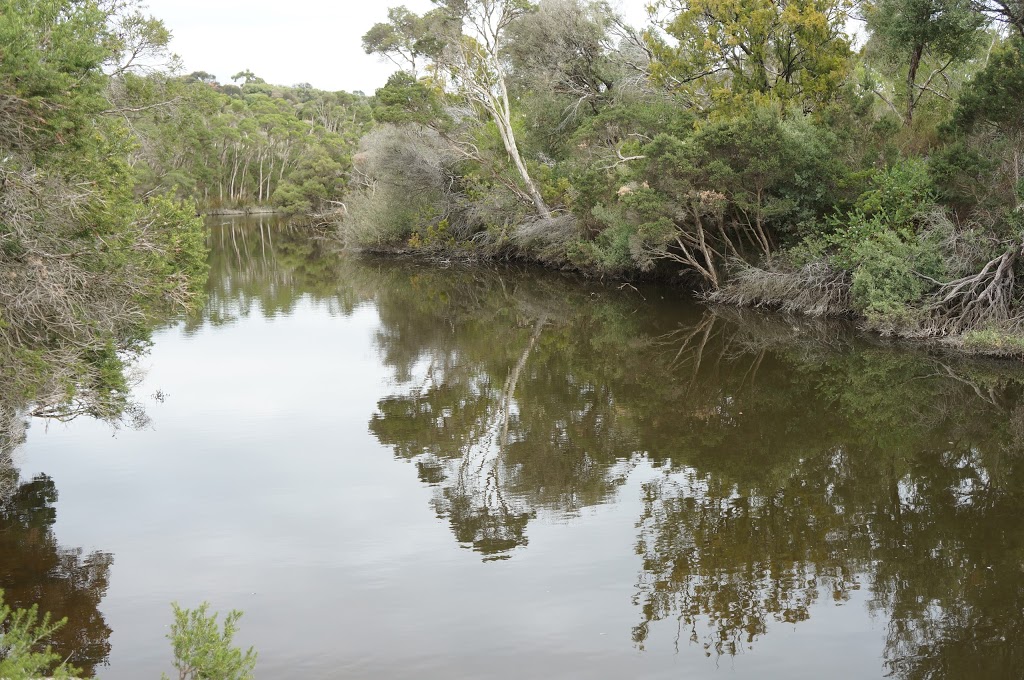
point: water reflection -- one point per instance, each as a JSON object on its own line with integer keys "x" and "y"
{"x": 799, "y": 464}
{"x": 36, "y": 569}
{"x": 488, "y": 403}
{"x": 265, "y": 263}
{"x": 788, "y": 465}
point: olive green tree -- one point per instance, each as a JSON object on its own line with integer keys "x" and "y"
{"x": 913, "y": 33}
{"x": 725, "y": 51}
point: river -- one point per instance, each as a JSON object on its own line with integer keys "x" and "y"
{"x": 408, "y": 471}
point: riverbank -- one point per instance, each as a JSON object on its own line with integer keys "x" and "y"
{"x": 828, "y": 298}
{"x": 248, "y": 210}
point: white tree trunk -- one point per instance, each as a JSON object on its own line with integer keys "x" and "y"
{"x": 479, "y": 69}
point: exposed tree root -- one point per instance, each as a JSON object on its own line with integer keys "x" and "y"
{"x": 977, "y": 301}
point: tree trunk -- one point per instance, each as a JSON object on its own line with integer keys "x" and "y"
{"x": 234, "y": 173}
{"x": 915, "y": 62}
{"x": 1018, "y": 198}
{"x": 241, "y": 180}
{"x": 260, "y": 199}
{"x": 270, "y": 175}
{"x": 504, "y": 120}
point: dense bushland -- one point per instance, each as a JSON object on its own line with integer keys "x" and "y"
{"x": 246, "y": 145}
{"x": 753, "y": 148}
{"x": 106, "y": 155}
{"x": 85, "y": 264}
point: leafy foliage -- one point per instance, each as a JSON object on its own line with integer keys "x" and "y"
{"x": 913, "y": 32}
{"x": 85, "y": 265}
{"x": 204, "y": 650}
{"x": 407, "y": 100}
{"x": 23, "y": 652}
{"x": 732, "y": 51}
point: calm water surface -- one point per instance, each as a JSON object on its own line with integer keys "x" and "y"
{"x": 407, "y": 472}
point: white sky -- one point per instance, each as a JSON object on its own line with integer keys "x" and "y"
{"x": 291, "y": 41}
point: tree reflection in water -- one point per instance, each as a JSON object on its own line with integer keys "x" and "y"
{"x": 900, "y": 473}
{"x": 35, "y": 569}
{"x": 798, "y": 463}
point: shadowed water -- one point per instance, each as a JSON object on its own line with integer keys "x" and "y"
{"x": 401, "y": 470}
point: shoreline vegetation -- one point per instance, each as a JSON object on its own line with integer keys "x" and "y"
{"x": 752, "y": 152}
{"x": 755, "y": 153}
{"x": 109, "y": 156}
{"x": 87, "y": 260}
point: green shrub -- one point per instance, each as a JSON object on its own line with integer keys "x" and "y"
{"x": 23, "y": 652}
{"x": 885, "y": 244}
{"x": 204, "y": 651}
{"x": 887, "y": 279}
{"x": 610, "y": 252}
{"x": 900, "y": 194}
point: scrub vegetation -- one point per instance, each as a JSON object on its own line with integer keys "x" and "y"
{"x": 85, "y": 261}
{"x": 202, "y": 647}
{"x": 107, "y": 155}
{"x": 762, "y": 151}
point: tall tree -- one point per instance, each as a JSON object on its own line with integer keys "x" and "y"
{"x": 793, "y": 50}
{"x": 401, "y": 40}
{"x": 564, "y": 47}
{"x": 473, "y": 62}
{"x": 912, "y": 31}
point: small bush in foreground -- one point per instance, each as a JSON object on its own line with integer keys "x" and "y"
{"x": 204, "y": 651}
{"x": 23, "y": 652}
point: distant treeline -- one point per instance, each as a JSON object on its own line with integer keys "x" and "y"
{"x": 236, "y": 146}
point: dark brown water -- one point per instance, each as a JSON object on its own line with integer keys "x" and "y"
{"x": 401, "y": 471}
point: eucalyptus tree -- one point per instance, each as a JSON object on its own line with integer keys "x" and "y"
{"x": 468, "y": 54}
{"x": 912, "y": 32}
{"x": 402, "y": 40}
{"x": 565, "y": 47}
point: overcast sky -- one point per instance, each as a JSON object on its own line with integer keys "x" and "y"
{"x": 291, "y": 41}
